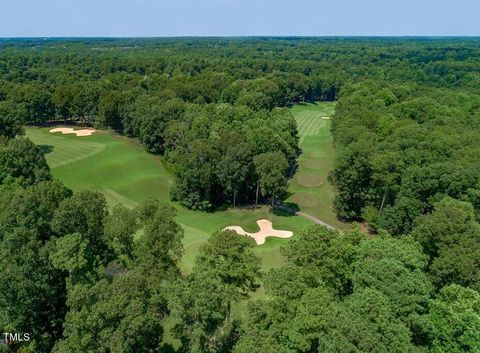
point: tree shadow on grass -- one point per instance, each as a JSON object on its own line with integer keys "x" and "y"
{"x": 46, "y": 149}
{"x": 286, "y": 209}
{"x": 306, "y": 102}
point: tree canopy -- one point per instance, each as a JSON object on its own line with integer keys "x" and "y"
{"x": 81, "y": 276}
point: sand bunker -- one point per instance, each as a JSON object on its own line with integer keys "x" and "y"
{"x": 69, "y": 130}
{"x": 266, "y": 230}
{"x": 325, "y": 118}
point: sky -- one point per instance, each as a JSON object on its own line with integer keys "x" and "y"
{"x": 158, "y": 18}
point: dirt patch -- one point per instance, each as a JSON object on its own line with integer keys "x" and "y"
{"x": 266, "y": 230}
{"x": 309, "y": 180}
{"x": 305, "y": 200}
{"x": 69, "y": 130}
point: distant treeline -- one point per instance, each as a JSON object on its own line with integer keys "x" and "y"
{"x": 211, "y": 100}
{"x": 213, "y": 116}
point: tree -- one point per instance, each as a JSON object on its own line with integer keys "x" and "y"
{"x": 10, "y": 121}
{"x": 201, "y": 309}
{"x": 115, "y": 316}
{"x": 32, "y": 207}
{"x": 22, "y": 160}
{"x": 122, "y": 311}
{"x": 225, "y": 271}
{"x": 71, "y": 254}
{"x": 262, "y": 342}
{"x": 62, "y": 99}
{"x": 195, "y": 175}
{"x": 234, "y": 163}
{"x": 395, "y": 268}
{"x": 151, "y": 118}
{"x": 120, "y": 228}
{"x": 395, "y": 157}
{"x": 84, "y": 103}
{"x": 161, "y": 239}
{"x": 351, "y": 178}
{"x": 32, "y": 291}
{"x": 231, "y": 258}
{"x": 82, "y": 218}
{"x": 455, "y": 319}
{"x": 110, "y": 111}
{"x": 271, "y": 168}
{"x": 365, "y": 322}
{"x": 318, "y": 321}
{"x": 386, "y": 173}
{"x": 324, "y": 254}
{"x": 450, "y": 235}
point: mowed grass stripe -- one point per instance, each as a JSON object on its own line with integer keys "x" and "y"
{"x": 305, "y": 122}
{"x": 71, "y": 155}
{"x": 310, "y": 188}
{"x": 302, "y": 117}
{"x": 311, "y": 123}
{"x": 302, "y": 120}
{"x": 65, "y": 149}
{"x": 312, "y": 126}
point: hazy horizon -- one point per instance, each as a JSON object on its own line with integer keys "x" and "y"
{"x": 237, "y": 18}
{"x": 244, "y": 36}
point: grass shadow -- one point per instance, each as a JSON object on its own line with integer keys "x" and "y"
{"x": 46, "y": 149}
{"x": 287, "y": 209}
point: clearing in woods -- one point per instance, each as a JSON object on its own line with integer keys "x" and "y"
{"x": 310, "y": 188}
{"x": 121, "y": 169}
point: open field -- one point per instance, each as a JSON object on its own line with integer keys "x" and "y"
{"x": 125, "y": 173}
{"x": 309, "y": 187}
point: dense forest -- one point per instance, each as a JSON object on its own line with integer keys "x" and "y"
{"x": 166, "y": 92}
{"x": 406, "y": 131}
{"x": 404, "y": 148}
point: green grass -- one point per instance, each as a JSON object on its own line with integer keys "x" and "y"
{"x": 121, "y": 169}
{"x": 310, "y": 188}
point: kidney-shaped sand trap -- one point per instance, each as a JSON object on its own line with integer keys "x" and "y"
{"x": 266, "y": 230}
{"x": 69, "y": 130}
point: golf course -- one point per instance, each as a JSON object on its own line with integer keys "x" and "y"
{"x": 309, "y": 187}
{"x": 238, "y": 194}
{"x": 125, "y": 173}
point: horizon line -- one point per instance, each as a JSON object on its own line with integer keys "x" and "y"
{"x": 245, "y": 36}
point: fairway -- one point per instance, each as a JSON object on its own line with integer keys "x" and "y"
{"x": 310, "y": 188}
{"x": 121, "y": 169}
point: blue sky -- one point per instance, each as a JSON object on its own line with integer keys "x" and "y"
{"x": 42, "y": 18}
